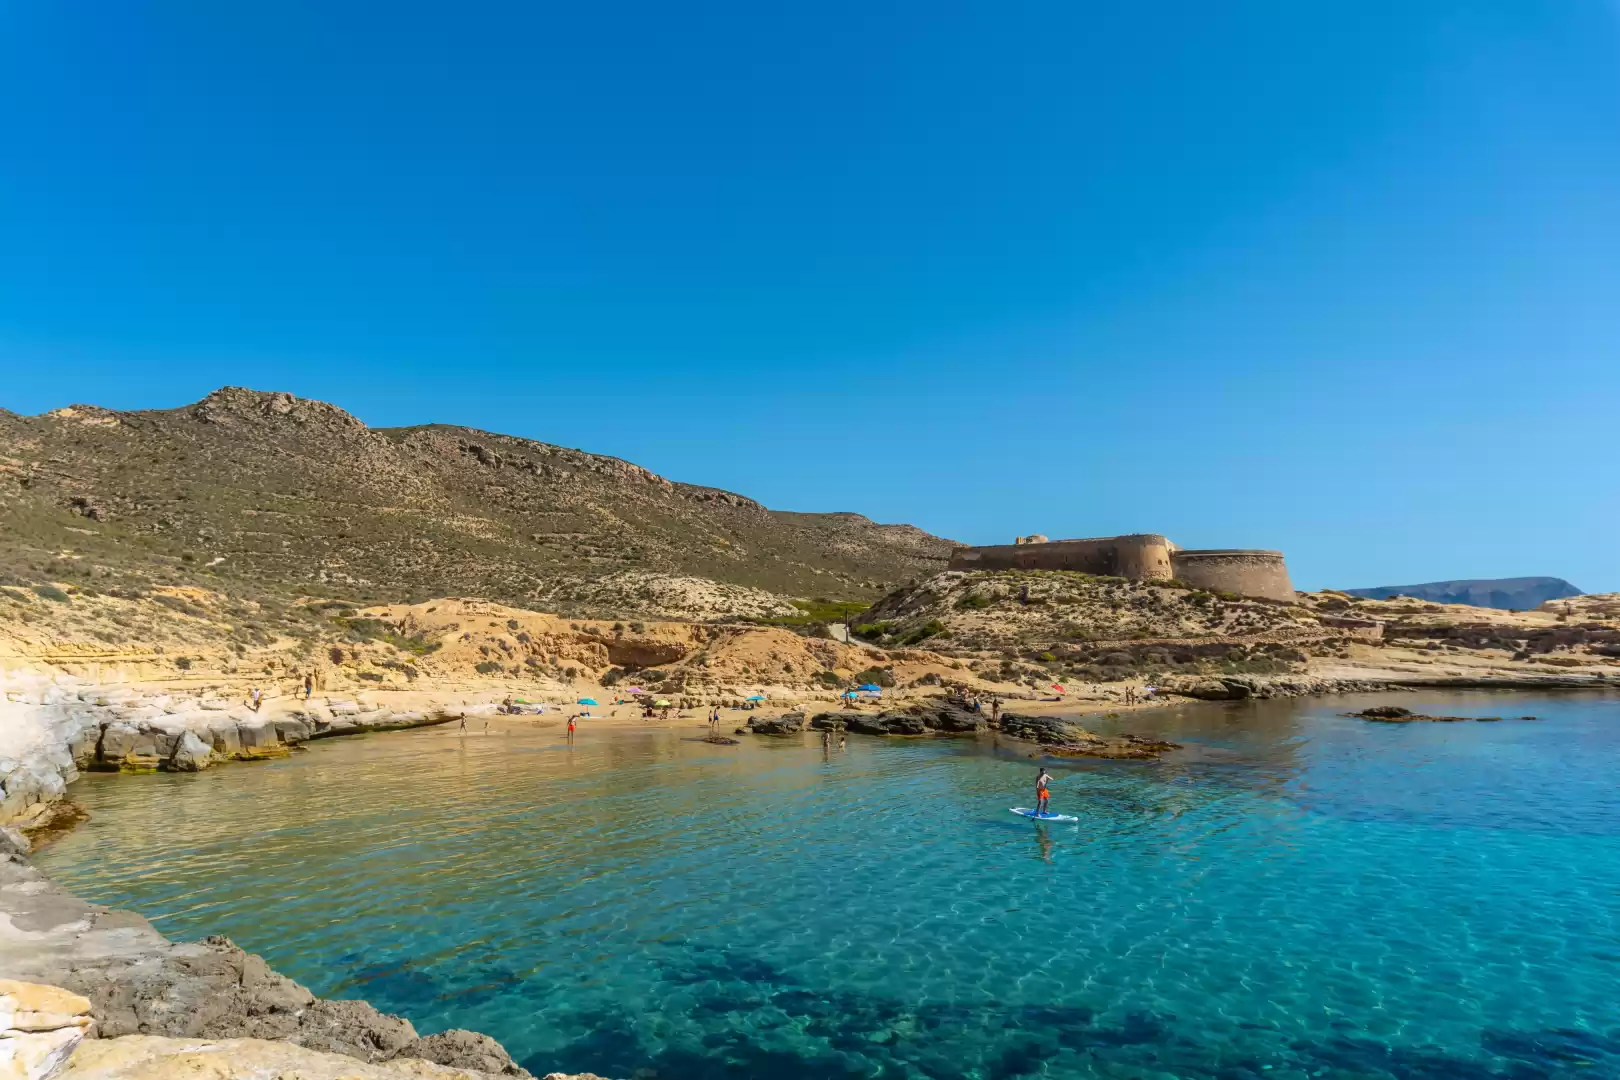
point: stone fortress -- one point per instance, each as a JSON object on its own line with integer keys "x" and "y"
{"x": 1140, "y": 557}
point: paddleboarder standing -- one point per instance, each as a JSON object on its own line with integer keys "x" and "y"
{"x": 1041, "y": 792}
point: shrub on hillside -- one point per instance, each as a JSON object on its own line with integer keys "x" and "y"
{"x": 883, "y": 677}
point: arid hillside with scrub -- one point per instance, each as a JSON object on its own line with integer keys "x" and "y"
{"x": 259, "y": 494}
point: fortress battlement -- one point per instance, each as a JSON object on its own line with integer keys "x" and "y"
{"x": 1140, "y": 557}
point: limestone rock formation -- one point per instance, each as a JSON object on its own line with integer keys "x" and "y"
{"x": 40, "y": 1026}
{"x": 191, "y": 754}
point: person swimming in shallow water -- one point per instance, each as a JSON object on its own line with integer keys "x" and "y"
{"x": 1042, "y": 795}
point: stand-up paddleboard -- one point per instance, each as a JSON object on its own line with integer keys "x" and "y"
{"x": 1024, "y": 812}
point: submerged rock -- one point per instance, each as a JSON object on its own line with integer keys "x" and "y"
{"x": 1116, "y": 747}
{"x": 1394, "y": 714}
{"x": 1061, "y": 737}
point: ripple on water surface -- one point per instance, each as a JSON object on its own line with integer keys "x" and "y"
{"x": 1297, "y": 895}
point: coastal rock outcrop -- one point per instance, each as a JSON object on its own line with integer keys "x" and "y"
{"x": 928, "y": 718}
{"x": 787, "y": 724}
{"x": 191, "y": 754}
{"x": 149, "y": 1057}
{"x": 1047, "y": 730}
{"x": 51, "y": 728}
{"x": 136, "y": 982}
{"x": 462, "y": 1049}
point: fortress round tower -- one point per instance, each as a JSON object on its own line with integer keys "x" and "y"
{"x": 1261, "y": 574}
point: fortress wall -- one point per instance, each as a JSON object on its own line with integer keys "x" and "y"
{"x": 1261, "y": 574}
{"x": 1140, "y": 557}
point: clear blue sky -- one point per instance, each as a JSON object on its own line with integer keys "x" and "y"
{"x": 1337, "y": 278}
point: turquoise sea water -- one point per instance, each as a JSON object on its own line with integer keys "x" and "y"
{"x": 1297, "y": 894}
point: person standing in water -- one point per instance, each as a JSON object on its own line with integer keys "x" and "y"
{"x": 1042, "y": 795}
{"x": 570, "y": 729}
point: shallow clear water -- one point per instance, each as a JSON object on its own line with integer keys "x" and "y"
{"x": 1297, "y": 894}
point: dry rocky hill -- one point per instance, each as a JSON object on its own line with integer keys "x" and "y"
{"x": 1035, "y": 626}
{"x": 265, "y": 492}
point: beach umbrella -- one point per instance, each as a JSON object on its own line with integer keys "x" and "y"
{"x": 757, "y": 697}
{"x": 637, "y": 690}
{"x": 1058, "y": 688}
{"x": 849, "y": 693}
{"x": 661, "y": 702}
{"x": 586, "y": 701}
{"x": 870, "y": 686}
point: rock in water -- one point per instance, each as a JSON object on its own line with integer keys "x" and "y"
{"x": 787, "y": 724}
{"x": 1048, "y": 730}
{"x": 887, "y": 723}
{"x": 191, "y": 754}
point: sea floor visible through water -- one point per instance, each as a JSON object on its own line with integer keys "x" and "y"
{"x": 1295, "y": 894}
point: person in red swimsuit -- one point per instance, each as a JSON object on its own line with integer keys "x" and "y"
{"x": 1041, "y": 793}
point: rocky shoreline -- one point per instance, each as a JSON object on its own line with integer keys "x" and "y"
{"x": 1264, "y": 687}
{"x": 140, "y": 985}
{"x": 52, "y": 729}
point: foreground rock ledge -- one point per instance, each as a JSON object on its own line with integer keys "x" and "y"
{"x": 135, "y": 982}
{"x": 151, "y": 1057}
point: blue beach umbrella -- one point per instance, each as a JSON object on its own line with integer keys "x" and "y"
{"x": 586, "y": 701}
{"x": 757, "y": 697}
{"x": 870, "y": 686}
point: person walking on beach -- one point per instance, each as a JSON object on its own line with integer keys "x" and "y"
{"x": 309, "y": 685}
{"x": 1042, "y": 795}
{"x": 995, "y": 709}
{"x": 463, "y": 723}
